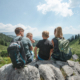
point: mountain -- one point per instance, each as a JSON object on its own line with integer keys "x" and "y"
{"x": 12, "y": 35}
{"x": 8, "y": 33}
{"x": 66, "y": 36}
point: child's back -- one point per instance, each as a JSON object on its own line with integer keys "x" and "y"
{"x": 44, "y": 48}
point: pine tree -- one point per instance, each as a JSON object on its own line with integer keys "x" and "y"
{"x": 2, "y": 42}
{"x": 5, "y": 44}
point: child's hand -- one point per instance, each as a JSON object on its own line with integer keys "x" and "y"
{"x": 33, "y": 41}
{"x": 49, "y": 59}
{"x": 36, "y": 57}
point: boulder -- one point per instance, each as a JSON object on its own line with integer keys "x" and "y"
{"x": 42, "y": 70}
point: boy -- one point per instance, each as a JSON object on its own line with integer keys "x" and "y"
{"x": 25, "y": 41}
{"x": 45, "y": 47}
{"x": 30, "y": 36}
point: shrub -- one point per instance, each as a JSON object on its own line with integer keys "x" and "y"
{"x": 4, "y": 54}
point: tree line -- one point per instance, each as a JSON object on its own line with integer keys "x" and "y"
{"x": 77, "y": 36}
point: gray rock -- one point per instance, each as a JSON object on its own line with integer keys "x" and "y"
{"x": 68, "y": 70}
{"x": 48, "y": 70}
{"x": 26, "y": 73}
{"x": 75, "y": 57}
{"x": 77, "y": 66}
{"x": 74, "y": 78}
{"x": 60, "y": 63}
{"x": 71, "y": 63}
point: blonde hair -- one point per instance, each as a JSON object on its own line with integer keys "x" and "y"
{"x": 45, "y": 34}
{"x": 28, "y": 34}
{"x": 59, "y": 32}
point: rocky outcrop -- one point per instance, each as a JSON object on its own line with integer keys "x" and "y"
{"x": 42, "y": 70}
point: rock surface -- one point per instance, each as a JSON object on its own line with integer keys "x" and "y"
{"x": 42, "y": 70}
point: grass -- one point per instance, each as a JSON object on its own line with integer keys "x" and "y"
{"x": 4, "y": 60}
{"x": 3, "y": 48}
{"x": 41, "y": 78}
{"x": 63, "y": 72}
{"x": 75, "y": 48}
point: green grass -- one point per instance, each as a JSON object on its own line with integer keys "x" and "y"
{"x": 75, "y": 48}
{"x": 63, "y": 72}
{"x": 3, "y": 48}
{"x": 4, "y": 60}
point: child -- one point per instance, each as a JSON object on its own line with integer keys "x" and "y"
{"x": 30, "y": 36}
{"x": 45, "y": 47}
{"x": 61, "y": 46}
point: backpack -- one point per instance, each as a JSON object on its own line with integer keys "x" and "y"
{"x": 17, "y": 53}
{"x": 65, "y": 52}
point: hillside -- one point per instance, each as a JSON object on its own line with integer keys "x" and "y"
{"x": 4, "y": 39}
{"x": 3, "y": 48}
{"x": 75, "y": 46}
{"x": 4, "y": 42}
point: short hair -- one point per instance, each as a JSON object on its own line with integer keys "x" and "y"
{"x": 28, "y": 34}
{"x": 59, "y": 32}
{"x": 45, "y": 34}
{"x": 18, "y": 29}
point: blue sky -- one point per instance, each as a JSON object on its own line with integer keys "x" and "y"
{"x": 38, "y": 15}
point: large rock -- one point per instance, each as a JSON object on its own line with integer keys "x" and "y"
{"x": 46, "y": 70}
{"x": 26, "y": 73}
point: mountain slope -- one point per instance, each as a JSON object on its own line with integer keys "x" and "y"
{"x": 75, "y": 46}
{"x": 3, "y": 48}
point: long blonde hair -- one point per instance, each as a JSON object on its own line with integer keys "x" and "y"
{"x": 59, "y": 32}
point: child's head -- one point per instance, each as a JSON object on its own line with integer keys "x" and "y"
{"x": 29, "y": 35}
{"x": 59, "y": 32}
{"x": 45, "y": 34}
{"x": 55, "y": 31}
{"x": 19, "y": 31}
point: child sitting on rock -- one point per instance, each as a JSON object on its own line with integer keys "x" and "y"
{"x": 30, "y": 36}
{"x": 45, "y": 47}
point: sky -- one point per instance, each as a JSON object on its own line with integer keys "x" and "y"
{"x": 38, "y": 15}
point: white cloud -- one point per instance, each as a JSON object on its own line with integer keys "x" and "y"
{"x": 71, "y": 30}
{"x": 66, "y": 30}
{"x": 74, "y": 3}
{"x": 38, "y": 32}
{"x": 11, "y": 28}
{"x": 59, "y": 7}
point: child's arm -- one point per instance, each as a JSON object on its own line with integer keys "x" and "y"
{"x": 52, "y": 43}
{"x": 33, "y": 41}
{"x": 51, "y": 50}
{"x": 50, "y": 53}
{"x": 35, "y": 51}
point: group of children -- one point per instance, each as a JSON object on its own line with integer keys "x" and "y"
{"x": 21, "y": 49}
{"x": 46, "y": 47}
{"x": 56, "y": 49}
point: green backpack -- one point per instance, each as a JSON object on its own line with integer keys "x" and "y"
{"x": 65, "y": 51}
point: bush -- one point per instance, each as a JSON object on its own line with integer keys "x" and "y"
{"x": 4, "y": 54}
